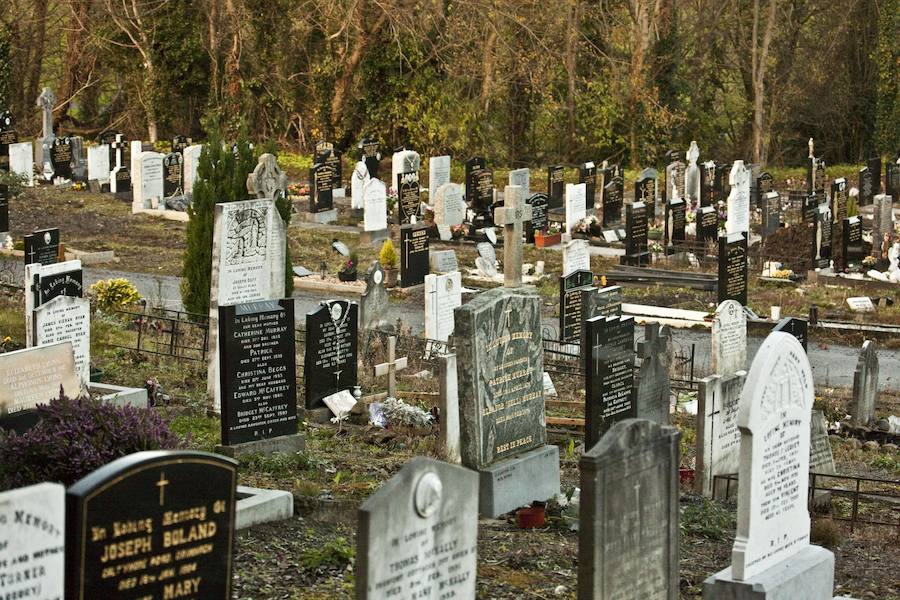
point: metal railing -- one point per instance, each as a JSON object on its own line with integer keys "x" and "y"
{"x": 164, "y": 332}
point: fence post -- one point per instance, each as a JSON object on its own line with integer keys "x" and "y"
{"x": 855, "y": 507}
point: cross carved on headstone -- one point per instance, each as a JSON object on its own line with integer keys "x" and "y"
{"x": 512, "y": 216}
{"x": 45, "y": 102}
{"x": 391, "y": 367}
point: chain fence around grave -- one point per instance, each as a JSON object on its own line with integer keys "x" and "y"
{"x": 848, "y": 498}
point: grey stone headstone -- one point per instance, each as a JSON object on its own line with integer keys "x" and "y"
{"x": 821, "y": 459}
{"x": 865, "y": 384}
{"x": 652, "y": 387}
{"x": 419, "y": 532}
{"x": 628, "y": 534}
{"x": 718, "y": 436}
{"x": 373, "y": 303}
{"x": 443, "y": 261}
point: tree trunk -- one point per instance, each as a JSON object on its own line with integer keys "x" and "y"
{"x": 487, "y": 62}
{"x": 212, "y": 22}
{"x": 759, "y": 64}
{"x": 573, "y": 32}
{"x": 78, "y": 57}
{"x": 36, "y": 53}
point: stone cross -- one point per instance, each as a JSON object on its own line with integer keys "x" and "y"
{"x": 654, "y": 343}
{"x": 119, "y": 146}
{"x": 391, "y": 367}
{"x": 512, "y": 215}
{"x": 45, "y": 102}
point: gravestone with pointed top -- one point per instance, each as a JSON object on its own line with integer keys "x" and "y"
{"x": 692, "y": 175}
{"x": 865, "y": 385}
{"x": 652, "y": 387}
{"x": 738, "y": 220}
{"x": 373, "y": 303}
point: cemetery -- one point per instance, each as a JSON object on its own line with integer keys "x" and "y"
{"x": 339, "y": 354}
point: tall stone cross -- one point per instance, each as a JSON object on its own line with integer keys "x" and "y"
{"x": 391, "y": 367}
{"x": 45, "y": 102}
{"x": 512, "y": 215}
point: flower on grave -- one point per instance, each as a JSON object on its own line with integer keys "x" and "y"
{"x": 783, "y": 274}
{"x": 586, "y": 224}
{"x": 459, "y": 230}
{"x": 869, "y": 261}
{"x": 656, "y": 247}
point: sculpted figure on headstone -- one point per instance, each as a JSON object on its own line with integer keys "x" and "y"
{"x": 267, "y": 178}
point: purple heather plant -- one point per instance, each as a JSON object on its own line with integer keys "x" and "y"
{"x": 77, "y": 436}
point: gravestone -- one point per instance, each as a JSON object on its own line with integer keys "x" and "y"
{"x": 42, "y": 247}
{"x": 486, "y": 262}
{"x": 418, "y": 534}
{"x": 61, "y": 157}
{"x": 521, "y": 178}
{"x": 500, "y": 370}
{"x": 34, "y": 376}
{"x": 707, "y": 225}
{"x": 327, "y": 154}
{"x": 179, "y": 143}
{"x": 729, "y": 338}
{"x": 852, "y": 249}
{"x": 473, "y": 166}
{"x": 413, "y": 255}
{"x": 329, "y": 363}
{"x": 652, "y": 389}
{"x": 373, "y": 303}
{"x": 32, "y": 542}
{"x": 408, "y": 197}
{"x": 676, "y": 221}
{"x": 443, "y": 294}
{"x": 821, "y": 459}
{"x": 149, "y": 186}
{"x": 764, "y": 184}
{"x": 8, "y": 136}
{"x": 571, "y": 306}
{"x": 21, "y": 161}
{"x": 540, "y": 220}
{"x": 358, "y": 179}
{"x": 796, "y": 327}
{"x": 448, "y": 435}
{"x": 576, "y": 205}
{"x": 4, "y": 211}
{"x": 79, "y": 158}
{"x": 815, "y": 172}
{"x": 839, "y": 192}
{"x": 512, "y": 217}
{"x": 172, "y": 538}
{"x": 321, "y": 197}
{"x": 449, "y": 205}
{"x": 675, "y": 172}
{"x": 868, "y": 184}
{"x": 484, "y": 192}
{"x": 257, "y": 366}
{"x": 267, "y": 178}
{"x": 645, "y": 189}
{"x": 438, "y": 174}
{"x": 173, "y": 175}
{"x": 374, "y": 206}
{"x": 738, "y": 219}
{"x": 771, "y": 213}
{"x": 46, "y": 102}
{"x": 191, "y": 165}
{"x": 733, "y": 275}
{"x": 587, "y": 174}
{"x": 865, "y": 385}
{"x": 692, "y": 175}
{"x": 613, "y": 199}
{"x": 821, "y": 239}
{"x": 98, "y": 163}
{"x": 370, "y": 152}
{"x": 121, "y": 178}
{"x": 576, "y": 256}
{"x": 608, "y": 351}
{"x": 637, "y": 253}
{"x": 443, "y": 261}
{"x": 718, "y": 437}
{"x": 883, "y": 223}
{"x": 772, "y": 557}
{"x": 46, "y": 282}
{"x": 404, "y": 160}
{"x": 556, "y": 185}
{"x": 628, "y": 540}
{"x": 249, "y": 245}
{"x": 710, "y": 189}
{"x": 66, "y": 319}
{"x": 605, "y": 301}
{"x": 892, "y": 179}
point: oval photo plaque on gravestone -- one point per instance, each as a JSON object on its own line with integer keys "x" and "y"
{"x": 152, "y": 525}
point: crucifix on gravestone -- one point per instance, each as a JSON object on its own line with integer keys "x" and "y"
{"x": 512, "y": 216}
{"x": 45, "y": 102}
{"x": 391, "y": 367}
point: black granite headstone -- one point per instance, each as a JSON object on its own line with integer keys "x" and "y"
{"x": 123, "y": 180}
{"x": 815, "y": 176}
{"x": 796, "y": 327}
{"x": 636, "y": 250}
{"x": 771, "y": 213}
{"x": 4, "y": 208}
{"x": 892, "y": 180}
{"x": 408, "y": 199}
{"x": 613, "y": 199}
{"x": 179, "y": 143}
{"x": 473, "y": 166}
{"x": 676, "y": 221}
{"x": 821, "y": 239}
{"x": 8, "y": 135}
{"x": 852, "y": 241}
{"x": 867, "y": 185}
{"x": 556, "y": 185}
{"x": 764, "y": 184}
{"x": 733, "y": 268}
{"x": 571, "y": 306}
{"x": 152, "y": 525}
{"x": 42, "y": 247}
{"x": 645, "y": 191}
{"x": 413, "y": 255}
{"x": 257, "y": 370}
{"x": 370, "y": 155}
{"x": 709, "y": 195}
{"x": 321, "y": 178}
{"x": 484, "y": 191}
{"x": 539, "y": 217}
{"x": 608, "y": 350}
{"x": 329, "y": 365}
{"x": 61, "y": 157}
{"x": 707, "y": 224}
{"x": 587, "y": 174}
{"x": 173, "y": 174}
{"x": 811, "y": 203}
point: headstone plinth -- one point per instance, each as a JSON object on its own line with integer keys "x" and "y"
{"x": 809, "y": 574}
{"x": 283, "y": 444}
{"x": 509, "y": 484}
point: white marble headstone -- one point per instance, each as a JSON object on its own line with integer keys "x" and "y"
{"x": 449, "y": 205}
{"x": 21, "y": 160}
{"x": 135, "y": 147}
{"x": 738, "y": 220}
{"x": 438, "y": 174}
{"x": 98, "y": 163}
{"x": 33, "y": 376}
{"x": 521, "y": 178}
{"x": 191, "y": 163}
{"x": 358, "y": 180}
{"x": 576, "y": 257}
{"x": 150, "y": 180}
{"x": 443, "y": 293}
{"x": 67, "y": 319}
{"x": 576, "y": 208}
{"x": 774, "y": 415}
{"x": 374, "y": 205}
{"x": 729, "y": 338}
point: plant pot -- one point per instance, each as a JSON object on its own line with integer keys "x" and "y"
{"x": 390, "y": 277}
{"x": 530, "y": 518}
{"x": 546, "y": 240}
{"x": 347, "y": 275}
{"x": 686, "y": 476}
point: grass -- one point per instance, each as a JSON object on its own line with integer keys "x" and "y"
{"x": 704, "y": 518}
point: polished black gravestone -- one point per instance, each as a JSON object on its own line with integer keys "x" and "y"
{"x": 771, "y": 213}
{"x": 765, "y": 183}
{"x": 42, "y": 247}
{"x": 707, "y": 225}
{"x": 733, "y": 272}
{"x": 4, "y": 208}
{"x": 556, "y": 185}
{"x": 571, "y": 309}
{"x": 852, "y": 249}
{"x": 370, "y": 151}
{"x": 821, "y": 249}
{"x": 587, "y": 174}
{"x": 409, "y": 201}
{"x": 710, "y": 185}
{"x": 329, "y": 364}
{"x": 484, "y": 193}
{"x": 152, "y": 525}
{"x": 257, "y": 368}
{"x": 798, "y": 328}
{"x": 473, "y": 166}
{"x": 608, "y": 351}
{"x": 606, "y": 302}
{"x": 613, "y": 199}
{"x": 179, "y": 143}
{"x": 892, "y": 180}
{"x": 413, "y": 255}
{"x": 173, "y": 174}
{"x": 321, "y": 194}
{"x": 867, "y": 185}
{"x": 61, "y": 157}
{"x": 645, "y": 189}
{"x": 637, "y": 253}
{"x": 539, "y": 217}
{"x": 676, "y": 222}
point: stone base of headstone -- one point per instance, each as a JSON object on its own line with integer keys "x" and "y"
{"x": 315, "y": 415}
{"x": 636, "y": 260}
{"x": 374, "y": 237}
{"x": 256, "y": 506}
{"x": 342, "y": 202}
{"x": 284, "y": 444}
{"x": 323, "y": 217}
{"x": 809, "y": 574}
{"x": 510, "y": 484}
{"x": 124, "y": 196}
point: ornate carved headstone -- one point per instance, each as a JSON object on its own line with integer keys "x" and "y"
{"x": 267, "y": 178}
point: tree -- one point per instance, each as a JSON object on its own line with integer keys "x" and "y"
{"x": 887, "y": 65}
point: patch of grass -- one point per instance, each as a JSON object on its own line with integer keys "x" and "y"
{"x": 705, "y": 518}
{"x": 201, "y": 431}
{"x": 885, "y": 462}
{"x": 336, "y": 553}
{"x": 825, "y": 532}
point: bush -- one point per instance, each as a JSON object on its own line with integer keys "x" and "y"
{"x": 388, "y": 255}
{"x": 114, "y": 294}
{"x": 75, "y": 437}
{"x": 825, "y": 532}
